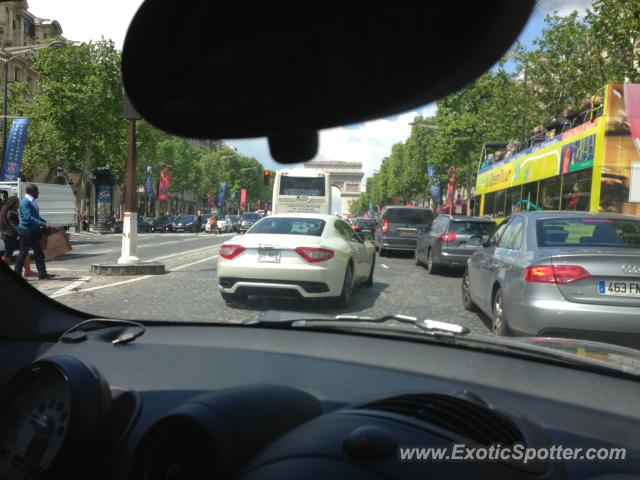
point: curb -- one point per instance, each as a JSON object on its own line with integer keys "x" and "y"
{"x": 149, "y": 268}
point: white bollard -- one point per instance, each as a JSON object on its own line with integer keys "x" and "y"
{"x": 129, "y": 239}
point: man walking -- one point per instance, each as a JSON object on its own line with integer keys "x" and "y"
{"x": 29, "y": 230}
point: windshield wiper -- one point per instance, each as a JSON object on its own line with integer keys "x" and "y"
{"x": 306, "y": 320}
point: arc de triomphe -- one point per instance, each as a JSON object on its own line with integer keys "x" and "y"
{"x": 347, "y": 176}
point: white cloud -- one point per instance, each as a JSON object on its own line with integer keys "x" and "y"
{"x": 563, "y": 7}
{"x": 85, "y": 20}
{"x": 370, "y": 142}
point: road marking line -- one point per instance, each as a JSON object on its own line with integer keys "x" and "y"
{"x": 186, "y": 252}
{"x": 194, "y": 263}
{"x": 91, "y": 289}
{"x": 384, "y": 266}
{"x": 67, "y": 288}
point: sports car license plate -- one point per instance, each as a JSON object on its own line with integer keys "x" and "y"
{"x": 268, "y": 255}
{"x": 619, "y": 289}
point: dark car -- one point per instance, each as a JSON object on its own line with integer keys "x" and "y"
{"x": 247, "y": 221}
{"x": 397, "y": 228}
{"x": 145, "y": 224}
{"x": 445, "y": 242}
{"x": 185, "y": 223}
{"x": 162, "y": 224}
{"x": 363, "y": 225}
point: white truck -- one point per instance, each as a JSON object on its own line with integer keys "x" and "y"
{"x": 57, "y": 202}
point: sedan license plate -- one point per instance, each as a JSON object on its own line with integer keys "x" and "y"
{"x": 268, "y": 255}
{"x": 619, "y": 289}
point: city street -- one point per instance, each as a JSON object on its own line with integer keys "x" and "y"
{"x": 189, "y": 289}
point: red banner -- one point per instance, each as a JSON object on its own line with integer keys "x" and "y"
{"x": 243, "y": 197}
{"x": 165, "y": 182}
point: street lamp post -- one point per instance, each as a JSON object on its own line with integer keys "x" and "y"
{"x": 8, "y": 54}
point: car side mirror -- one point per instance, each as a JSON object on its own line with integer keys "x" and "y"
{"x": 476, "y": 241}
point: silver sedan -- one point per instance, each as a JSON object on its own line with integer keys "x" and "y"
{"x": 559, "y": 274}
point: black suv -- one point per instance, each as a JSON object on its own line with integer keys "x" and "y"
{"x": 397, "y": 228}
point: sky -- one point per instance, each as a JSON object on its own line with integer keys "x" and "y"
{"x": 368, "y": 142}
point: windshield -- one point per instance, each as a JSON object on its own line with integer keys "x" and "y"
{"x": 289, "y": 226}
{"x": 410, "y": 216}
{"x": 540, "y": 151}
{"x": 306, "y": 186}
{"x": 594, "y": 232}
{"x": 472, "y": 228}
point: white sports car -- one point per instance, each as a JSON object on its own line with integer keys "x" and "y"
{"x": 307, "y": 255}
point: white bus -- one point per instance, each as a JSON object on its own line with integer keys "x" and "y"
{"x": 57, "y": 202}
{"x": 304, "y": 191}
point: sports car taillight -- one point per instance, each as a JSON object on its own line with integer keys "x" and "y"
{"x": 385, "y": 227}
{"x": 314, "y": 255}
{"x": 560, "y": 274}
{"x": 231, "y": 251}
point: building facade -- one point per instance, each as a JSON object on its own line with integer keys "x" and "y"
{"x": 20, "y": 28}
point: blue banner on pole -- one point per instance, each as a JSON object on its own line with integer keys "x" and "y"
{"x": 430, "y": 171}
{"x": 222, "y": 192}
{"x": 148, "y": 185}
{"x": 15, "y": 149}
{"x": 436, "y": 193}
{"x": 234, "y": 197}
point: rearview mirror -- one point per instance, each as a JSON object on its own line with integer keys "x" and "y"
{"x": 286, "y": 71}
{"x": 476, "y": 241}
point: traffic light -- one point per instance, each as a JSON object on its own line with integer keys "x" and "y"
{"x": 265, "y": 177}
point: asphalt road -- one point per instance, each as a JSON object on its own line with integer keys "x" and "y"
{"x": 189, "y": 289}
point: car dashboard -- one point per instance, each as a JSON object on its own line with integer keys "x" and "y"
{"x": 185, "y": 401}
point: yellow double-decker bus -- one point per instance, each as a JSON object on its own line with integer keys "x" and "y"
{"x": 591, "y": 163}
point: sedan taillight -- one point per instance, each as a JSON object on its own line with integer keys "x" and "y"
{"x": 356, "y": 228}
{"x": 314, "y": 255}
{"x": 231, "y": 251}
{"x": 385, "y": 227}
{"x": 448, "y": 237}
{"x": 559, "y": 274}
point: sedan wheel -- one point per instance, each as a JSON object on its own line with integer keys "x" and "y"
{"x": 467, "y": 303}
{"x": 347, "y": 288}
{"x": 499, "y": 324}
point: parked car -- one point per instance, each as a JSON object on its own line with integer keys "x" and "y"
{"x": 445, "y": 243}
{"x": 397, "y": 228}
{"x": 225, "y": 224}
{"x": 235, "y": 223}
{"x": 247, "y": 220}
{"x": 185, "y": 223}
{"x": 205, "y": 220}
{"x": 559, "y": 274}
{"x": 363, "y": 225}
{"x": 144, "y": 224}
{"x": 163, "y": 224}
{"x": 309, "y": 255}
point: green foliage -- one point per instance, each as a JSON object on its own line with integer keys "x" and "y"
{"x": 572, "y": 59}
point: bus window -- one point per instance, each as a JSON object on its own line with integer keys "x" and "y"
{"x": 498, "y": 207}
{"x": 550, "y": 193}
{"x": 514, "y": 195}
{"x": 530, "y": 194}
{"x": 576, "y": 190}
{"x": 489, "y": 202}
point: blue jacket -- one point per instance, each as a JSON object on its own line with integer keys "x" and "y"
{"x": 30, "y": 218}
